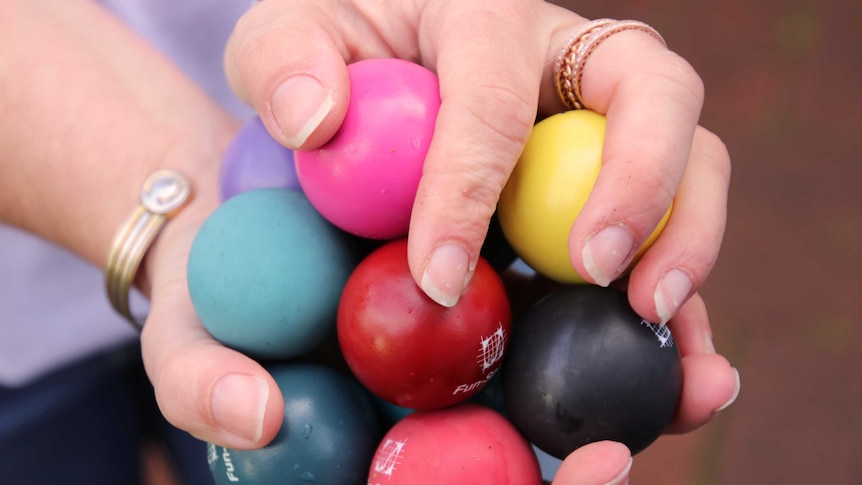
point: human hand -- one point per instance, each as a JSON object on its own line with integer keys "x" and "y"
{"x": 215, "y": 393}
{"x": 495, "y": 75}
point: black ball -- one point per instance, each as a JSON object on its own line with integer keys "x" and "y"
{"x": 496, "y": 248}
{"x": 582, "y": 366}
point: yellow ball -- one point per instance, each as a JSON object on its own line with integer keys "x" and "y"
{"x": 548, "y": 188}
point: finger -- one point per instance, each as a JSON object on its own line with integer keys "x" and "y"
{"x": 691, "y": 329}
{"x": 710, "y": 383}
{"x": 680, "y": 260}
{"x": 647, "y": 144}
{"x": 214, "y": 393}
{"x": 301, "y": 94}
{"x": 600, "y": 463}
{"x": 489, "y": 75}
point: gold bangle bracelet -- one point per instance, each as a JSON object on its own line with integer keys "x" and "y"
{"x": 163, "y": 194}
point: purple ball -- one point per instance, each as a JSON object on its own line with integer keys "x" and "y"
{"x": 255, "y": 160}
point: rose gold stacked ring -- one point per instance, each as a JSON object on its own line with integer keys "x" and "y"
{"x": 569, "y": 67}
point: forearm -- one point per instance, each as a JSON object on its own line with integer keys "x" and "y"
{"x": 87, "y": 111}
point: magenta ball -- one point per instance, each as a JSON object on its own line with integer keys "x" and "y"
{"x": 364, "y": 179}
{"x": 254, "y": 160}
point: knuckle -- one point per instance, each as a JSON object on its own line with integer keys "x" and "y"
{"x": 683, "y": 73}
{"x": 479, "y": 181}
{"x": 480, "y": 164}
{"x": 502, "y": 9}
{"x": 655, "y": 184}
{"x": 171, "y": 389}
{"x": 506, "y": 114}
{"x": 680, "y": 79}
{"x": 484, "y": 190}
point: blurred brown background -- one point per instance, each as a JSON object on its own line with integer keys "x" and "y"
{"x": 782, "y": 90}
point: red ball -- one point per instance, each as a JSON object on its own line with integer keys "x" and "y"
{"x": 463, "y": 444}
{"x": 409, "y": 350}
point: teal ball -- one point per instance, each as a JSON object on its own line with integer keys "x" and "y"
{"x": 329, "y": 434}
{"x": 265, "y": 273}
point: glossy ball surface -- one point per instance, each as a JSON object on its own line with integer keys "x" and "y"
{"x": 364, "y": 179}
{"x": 548, "y": 189}
{"x": 329, "y": 434}
{"x": 254, "y": 160}
{"x": 463, "y": 444}
{"x": 265, "y": 273}
{"x": 584, "y": 367}
{"x": 410, "y": 351}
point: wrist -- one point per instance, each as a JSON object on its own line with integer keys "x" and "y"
{"x": 166, "y": 255}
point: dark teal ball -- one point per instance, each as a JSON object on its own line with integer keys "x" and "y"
{"x": 329, "y": 435}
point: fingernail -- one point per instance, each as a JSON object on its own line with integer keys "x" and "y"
{"x": 446, "y": 274}
{"x": 239, "y": 404}
{"x": 672, "y": 290}
{"x": 607, "y": 253}
{"x": 735, "y": 392}
{"x": 299, "y": 105}
{"x": 623, "y": 477}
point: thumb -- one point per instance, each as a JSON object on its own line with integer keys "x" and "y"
{"x": 300, "y": 94}
{"x": 601, "y": 463}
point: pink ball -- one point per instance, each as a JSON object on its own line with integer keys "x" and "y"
{"x": 364, "y": 180}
